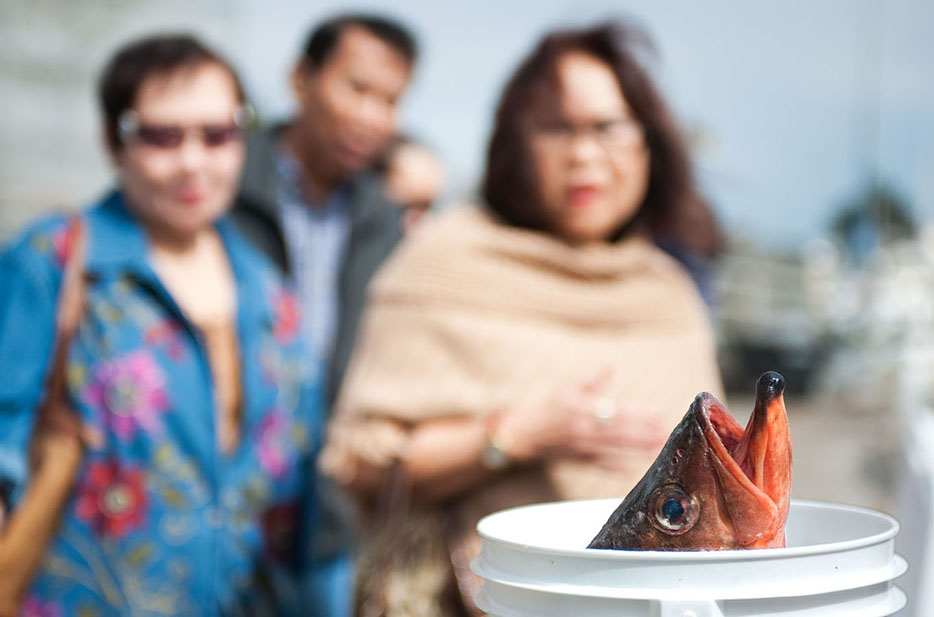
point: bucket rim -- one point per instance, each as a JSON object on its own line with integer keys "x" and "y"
{"x": 890, "y": 601}
{"x": 706, "y": 555}
{"x": 894, "y": 569}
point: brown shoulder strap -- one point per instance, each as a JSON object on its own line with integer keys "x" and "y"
{"x": 68, "y": 312}
{"x": 71, "y": 296}
{"x": 24, "y": 537}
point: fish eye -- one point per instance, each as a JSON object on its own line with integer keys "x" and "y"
{"x": 674, "y": 510}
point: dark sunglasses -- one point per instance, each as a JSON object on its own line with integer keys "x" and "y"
{"x": 168, "y": 136}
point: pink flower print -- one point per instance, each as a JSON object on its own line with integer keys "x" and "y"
{"x": 62, "y": 243}
{"x": 166, "y": 333}
{"x": 130, "y": 393}
{"x": 34, "y": 607}
{"x": 287, "y": 316}
{"x": 273, "y": 444}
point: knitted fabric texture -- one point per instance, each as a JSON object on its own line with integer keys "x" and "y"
{"x": 471, "y": 316}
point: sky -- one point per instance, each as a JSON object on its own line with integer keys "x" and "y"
{"x": 792, "y": 106}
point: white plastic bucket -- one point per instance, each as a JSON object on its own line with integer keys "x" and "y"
{"x": 839, "y": 561}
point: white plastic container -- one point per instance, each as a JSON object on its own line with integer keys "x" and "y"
{"x": 839, "y": 561}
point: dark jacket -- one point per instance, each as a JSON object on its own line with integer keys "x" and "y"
{"x": 375, "y": 229}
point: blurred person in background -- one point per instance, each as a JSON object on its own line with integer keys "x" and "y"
{"x": 538, "y": 347}
{"x": 313, "y": 204}
{"x": 312, "y": 201}
{"x": 413, "y": 177}
{"x": 197, "y": 411}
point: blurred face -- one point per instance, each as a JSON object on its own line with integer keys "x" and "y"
{"x": 348, "y": 106}
{"x": 182, "y": 151}
{"x": 591, "y": 159}
{"x": 414, "y": 180}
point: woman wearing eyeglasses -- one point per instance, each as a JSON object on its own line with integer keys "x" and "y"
{"x": 196, "y": 413}
{"x": 539, "y": 347}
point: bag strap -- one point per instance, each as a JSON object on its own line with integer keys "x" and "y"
{"x": 392, "y": 506}
{"x": 72, "y": 294}
{"x": 34, "y": 522}
{"x": 68, "y": 312}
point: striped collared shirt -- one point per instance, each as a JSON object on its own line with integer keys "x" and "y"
{"x": 316, "y": 236}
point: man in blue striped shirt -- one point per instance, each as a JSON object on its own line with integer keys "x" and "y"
{"x": 310, "y": 200}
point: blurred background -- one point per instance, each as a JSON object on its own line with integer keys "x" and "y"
{"x": 812, "y": 126}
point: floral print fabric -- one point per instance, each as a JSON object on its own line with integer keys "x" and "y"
{"x": 128, "y": 393}
{"x": 161, "y": 521}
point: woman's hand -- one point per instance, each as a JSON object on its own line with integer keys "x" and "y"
{"x": 580, "y": 422}
{"x": 443, "y": 457}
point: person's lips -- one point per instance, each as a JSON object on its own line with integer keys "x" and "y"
{"x": 582, "y": 195}
{"x": 354, "y": 156}
{"x": 190, "y": 196}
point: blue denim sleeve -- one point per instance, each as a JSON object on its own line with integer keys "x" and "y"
{"x": 27, "y": 314}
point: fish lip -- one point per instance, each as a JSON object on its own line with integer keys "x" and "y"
{"x": 770, "y": 385}
{"x": 704, "y": 403}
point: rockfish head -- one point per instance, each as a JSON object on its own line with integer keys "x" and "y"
{"x": 714, "y": 486}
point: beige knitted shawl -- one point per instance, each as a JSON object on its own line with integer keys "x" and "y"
{"x": 471, "y": 315}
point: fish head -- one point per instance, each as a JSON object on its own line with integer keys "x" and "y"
{"x": 714, "y": 485}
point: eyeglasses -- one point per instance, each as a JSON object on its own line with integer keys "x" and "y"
{"x": 132, "y": 129}
{"x": 618, "y": 133}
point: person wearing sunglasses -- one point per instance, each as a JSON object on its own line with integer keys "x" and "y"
{"x": 194, "y": 401}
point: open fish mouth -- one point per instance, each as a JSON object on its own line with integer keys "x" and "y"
{"x": 753, "y": 465}
{"x": 714, "y": 485}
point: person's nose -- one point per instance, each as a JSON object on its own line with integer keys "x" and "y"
{"x": 376, "y": 114}
{"x": 584, "y": 146}
{"x": 192, "y": 153}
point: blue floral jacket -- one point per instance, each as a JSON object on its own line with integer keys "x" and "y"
{"x": 161, "y": 522}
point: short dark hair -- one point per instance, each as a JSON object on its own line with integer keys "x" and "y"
{"x": 138, "y": 60}
{"x": 510, "y": 183}
{"x": 323, "y": 39}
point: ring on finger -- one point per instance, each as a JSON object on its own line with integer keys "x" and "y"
{"x": 604, "y": 408}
